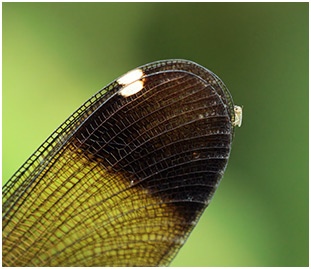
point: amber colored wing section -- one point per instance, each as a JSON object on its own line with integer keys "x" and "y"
{"x": 125, "y": 179}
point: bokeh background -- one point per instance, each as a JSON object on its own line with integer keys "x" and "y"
{"x": 56, "y": 55}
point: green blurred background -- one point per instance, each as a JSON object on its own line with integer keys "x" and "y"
{"x": 56, "y": 55}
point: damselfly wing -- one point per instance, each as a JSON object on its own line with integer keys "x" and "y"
{"x": 124, "y": 180}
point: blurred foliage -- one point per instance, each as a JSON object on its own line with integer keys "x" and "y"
{"x": 56, "y": 55}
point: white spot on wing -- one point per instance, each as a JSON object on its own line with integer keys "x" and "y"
{"x": 132, "y": 88}
{"x": 130, "y": 77}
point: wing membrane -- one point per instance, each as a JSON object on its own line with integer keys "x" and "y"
{"x": 124, "y": 180}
